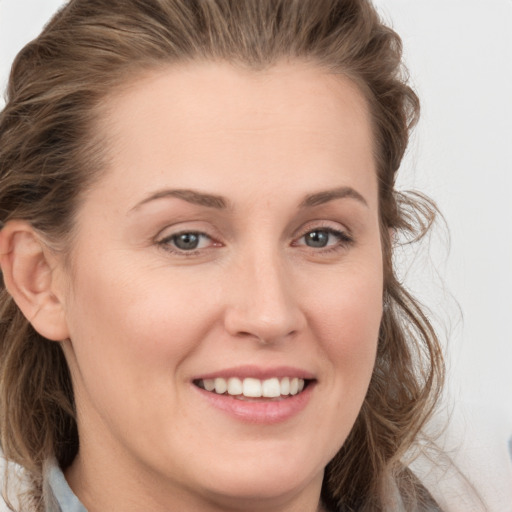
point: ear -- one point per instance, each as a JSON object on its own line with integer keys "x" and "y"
{"x": 30, "y": 275}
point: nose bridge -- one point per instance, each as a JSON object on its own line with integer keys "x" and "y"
{"x": 264, "y": 305}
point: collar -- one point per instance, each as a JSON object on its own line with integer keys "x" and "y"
{"x": 58, "y": 496}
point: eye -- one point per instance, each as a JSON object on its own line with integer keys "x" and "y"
{"x": 186, "y": 241}
{"x": 321, "y": 238}
{"x": 318, "y": 238}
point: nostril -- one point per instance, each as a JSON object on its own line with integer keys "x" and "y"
{"x": 262, "y": 323}
{"x": 269, "y": 337}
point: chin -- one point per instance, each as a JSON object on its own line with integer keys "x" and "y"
{"x": 272, "y": 482}
{"x": 245, "y": 493}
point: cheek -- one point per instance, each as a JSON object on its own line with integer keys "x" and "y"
{"x": 354, "y": 329}
{"x": 348, "y": 319}
{"x": 131, "y": 334}
{"x": 131, "y": 325}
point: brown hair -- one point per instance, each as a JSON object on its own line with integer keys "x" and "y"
{"x": 50, "y": 153}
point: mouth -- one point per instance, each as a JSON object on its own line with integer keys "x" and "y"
{"x": 251, "y": 389}
{"x": 258, "y": 395}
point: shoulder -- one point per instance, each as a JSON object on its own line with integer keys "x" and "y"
{"x": 474, "y": 471}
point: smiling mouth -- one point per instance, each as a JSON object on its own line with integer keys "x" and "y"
{"x": 250, "y": 388}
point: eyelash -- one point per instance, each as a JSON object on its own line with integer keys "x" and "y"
{"x": 344, "y": 240}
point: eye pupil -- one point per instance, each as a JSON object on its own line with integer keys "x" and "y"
{"x": 186, "y": 241}
{"x": 317, "y": 239}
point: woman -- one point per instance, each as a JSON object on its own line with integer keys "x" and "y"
{"x": 200, "y": 308}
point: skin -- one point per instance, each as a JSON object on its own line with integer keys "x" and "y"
{"x": 145, "y": 319}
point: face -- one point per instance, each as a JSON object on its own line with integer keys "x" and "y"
{"x": 230, "y": 250}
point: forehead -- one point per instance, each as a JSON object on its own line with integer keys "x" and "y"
{"x": 244, "y": 98}
{"x": 220, "y": 121}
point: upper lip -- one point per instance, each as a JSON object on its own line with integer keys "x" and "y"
{"x": 257, "y": 372}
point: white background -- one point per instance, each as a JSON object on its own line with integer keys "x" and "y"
{"x": 459, "y": 53}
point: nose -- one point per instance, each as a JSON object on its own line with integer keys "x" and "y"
{"x": 263, "y": 301}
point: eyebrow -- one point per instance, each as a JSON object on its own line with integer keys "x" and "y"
{"x": 325, "y": 196}
{"x": 220, "y": 203}
{"x": 191, "y": 196}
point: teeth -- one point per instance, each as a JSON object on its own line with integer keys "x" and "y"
{"x": 221, "y": 386}
{"x": 271, "y": 388}
{"x": 235, "y": 386}
{"x": 209, "y": 384}
{"x": 254, "y": 388}
{"x": 294, "y": 386}
{"x": 285, "y": 386}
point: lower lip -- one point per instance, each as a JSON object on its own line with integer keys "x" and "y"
{"x": 262, "y": 412}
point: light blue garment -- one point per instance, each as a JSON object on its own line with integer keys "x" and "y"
{"x": 58, "y": 496}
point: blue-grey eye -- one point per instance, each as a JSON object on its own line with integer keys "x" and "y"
{"x": 187, "y": 241}
{"x": 318, "y": 238}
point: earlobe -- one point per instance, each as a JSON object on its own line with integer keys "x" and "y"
{"x": 28, "y": 271}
